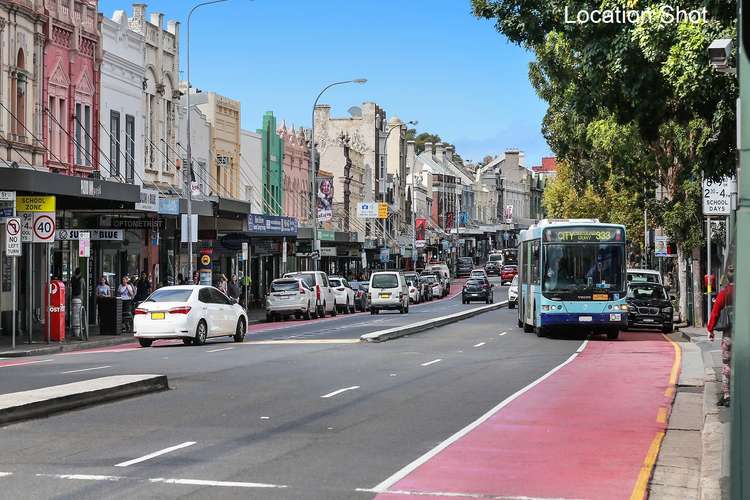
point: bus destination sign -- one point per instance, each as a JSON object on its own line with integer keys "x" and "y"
{"x": 582, "y": 234}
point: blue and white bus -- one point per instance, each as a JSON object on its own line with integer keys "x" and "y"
{"x": 572, "y": 273}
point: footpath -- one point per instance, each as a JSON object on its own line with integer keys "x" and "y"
{"x": 590, "y": 428}
{"x": 693, "y": 463}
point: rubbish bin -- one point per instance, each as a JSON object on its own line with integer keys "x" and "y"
{"x": 75, "y": 316}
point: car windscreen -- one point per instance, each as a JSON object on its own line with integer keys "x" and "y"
{"x": 468, "y": 261}
{"x": 583, "y": 267}
{"x": 647, "y": 292}
{"x": 334, "y": 282}
{"x": 428, "y": 278}
{"x": 170, "y": 295}
{"x": 496, "y": 258}
{"x": 284, "y": 286}
{"x": 384, "y": 281}
{"x": 475, "y": 282}
{"x": 309, "y": 279}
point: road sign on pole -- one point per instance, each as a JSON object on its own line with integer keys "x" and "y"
{"x": 84, "y": 244}
{"x": 43, "y": 227}
{"x": 13, "y": 237}
{"x": 717, "y": 197}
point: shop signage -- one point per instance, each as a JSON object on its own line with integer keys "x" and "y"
{"x": 94, "y": 234}
{"x": 326, "y": 235}
{"x": 325, "y": 198}
{"x": 169, "y": 206}
{"x": 149, "y": 200}
{"x": 84, "y": 244}
{"x": 13, "y": 237}
{"x": 272, "y": 225}
{"x": 717, "y": 196}
{"x": 328, "y": 251}
{"x": 128, "y": 223}
{"x": 367, "y": 210}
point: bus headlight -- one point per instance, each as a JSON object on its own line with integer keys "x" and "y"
{"x": 545, "y": 307}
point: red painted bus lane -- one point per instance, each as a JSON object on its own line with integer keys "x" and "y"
{"x": 589, "y": 431}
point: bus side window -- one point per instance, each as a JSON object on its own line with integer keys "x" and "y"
{"x": 534, "y": 275}
{"x": 528, "y": 279}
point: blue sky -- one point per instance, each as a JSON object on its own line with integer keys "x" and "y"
{"x": 427, "y": 61}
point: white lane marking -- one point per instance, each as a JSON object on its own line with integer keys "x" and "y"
{"x": 504, "y": 333}
{"x": 265, "y": 418}
{"x": 583, "y": 346}
{"x": 431, "y": 362}
{"x": 479, "y": 344}
{"x": 450, "y": 494}
{"x": 202, "y": 482}
{"x": 222, "y": 349}
{"x": 82, "y": 477}
{"x": 5, "y": 474}
{"x": 403, "y": 472}
{"x": 336, "y": 393}
{"x": 87, "y": 369}
{"x": 393, "y": 375}
{"x": 21, "y": 363}
{"x": 156, "y": 454}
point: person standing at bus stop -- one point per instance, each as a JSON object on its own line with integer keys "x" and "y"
{"x": 724, "y": 301}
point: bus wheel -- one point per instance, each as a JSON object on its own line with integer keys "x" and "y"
{"x": 540, "y": 331}
{"x": 528, "y": 328}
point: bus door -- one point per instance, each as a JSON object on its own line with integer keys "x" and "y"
{"x": 531, "y": 268}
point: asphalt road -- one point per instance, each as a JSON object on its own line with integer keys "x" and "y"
{"x": 297, "y": 420}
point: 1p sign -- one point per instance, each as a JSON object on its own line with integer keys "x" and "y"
{"x": 13, "y": 237}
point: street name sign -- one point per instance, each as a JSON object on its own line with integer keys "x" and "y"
{"x": 13, "y": 237}
{"x": 717, "y": 197}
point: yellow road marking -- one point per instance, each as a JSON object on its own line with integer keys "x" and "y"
{"x": 677, "y": 361}
{"x": 302, "y": 341}
{"x": 661, "y": 415}
{"x": 669, "y": 392}
{"x": 641, "y": 484}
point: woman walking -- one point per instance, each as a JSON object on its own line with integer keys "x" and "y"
{"x": 724, "y": 301}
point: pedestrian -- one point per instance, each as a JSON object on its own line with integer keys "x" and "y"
{"x": 75, "y": 284}
{"x": 723, "y": 303}
{"x": 180, "y": 279}
{"x": 233, "y": 288}
{"x": 196, "y": 278}
{"x": 125, "y": 291}
{"x": 103, "y": 289}
{"x": 223, "y": 284}
{"x": 143, "y": 288}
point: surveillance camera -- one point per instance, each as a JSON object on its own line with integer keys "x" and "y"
{"x": 720, "y": 53}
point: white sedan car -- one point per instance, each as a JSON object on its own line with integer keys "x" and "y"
{"x": 344, "y": 294}
{"x": 192, "y": 313}
{"x": 414, "y": 294}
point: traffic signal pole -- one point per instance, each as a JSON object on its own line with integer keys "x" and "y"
{"x": 740, "y": 437}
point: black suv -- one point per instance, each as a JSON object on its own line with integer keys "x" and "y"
{"x": 649, "y": 306}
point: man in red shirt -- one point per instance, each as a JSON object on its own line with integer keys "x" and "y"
{"x": 724, "y": 299}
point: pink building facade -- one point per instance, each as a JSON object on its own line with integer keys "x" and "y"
{"x": 296, "y": 172}
{"x": 70, "y": 86}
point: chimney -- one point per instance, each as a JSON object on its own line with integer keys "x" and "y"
{"x": 512, "y": 158}
{"x": 428, "y": 148}
{"x": 439, "y": 151}
{"x": 157, "y": 19}
{"x": 449, "y": 152}
{"x": 174, "y": 28}
{"x": 410, "y": 158}
{"x": 139, "y": 10}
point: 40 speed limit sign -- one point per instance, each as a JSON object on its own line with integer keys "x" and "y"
{"x": 43, "y": 227}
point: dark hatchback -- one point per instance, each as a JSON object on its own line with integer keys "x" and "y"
{"x": 464, "y": 266}
{"x": 477, "y": 289}
{"x": 492, "y": 269}
{"x": 649, "y": 306}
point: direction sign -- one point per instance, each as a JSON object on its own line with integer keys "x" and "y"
{"x": 43, "y": 227}
{"x": 717, "y": 197}
{"x": 13, "y": 237}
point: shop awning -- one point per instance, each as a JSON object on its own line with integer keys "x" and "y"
{"x": 35, "y": 181}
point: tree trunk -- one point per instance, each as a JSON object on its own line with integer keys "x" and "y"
{"x": 682, "y": 279}
{"x": 698, "y": 298}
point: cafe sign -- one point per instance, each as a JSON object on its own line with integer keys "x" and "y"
{"x": 94, "y": 234}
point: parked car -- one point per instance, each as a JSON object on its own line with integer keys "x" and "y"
{"x": 360, "y": 288}
{"x": 492, "y": 268}
{"x": 344, "y": 294}
{"x": 442, "y": 271}
{"x": 464, "y": 265}
{"x": 507, "y": 273}
{"x": 435, "y": 285}
{"x": 325, "y": 300}
{"x": 425, "y": 290}
{"x": 192, "y": 313}
{"x": 513, "y": 293}
{"x": 644, "y": 276}
{"x": 478, "y": 273}
{"x": 414, "y": 292}
{"x": 477, "y": 289}
{"x": 388, "y": 290}
{"x": 290, "y": 297}
{"x": 649, "y": 306}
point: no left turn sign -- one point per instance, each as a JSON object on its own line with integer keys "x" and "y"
{"x": 13, "y": 237}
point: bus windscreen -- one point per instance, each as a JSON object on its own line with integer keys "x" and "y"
{"x": 583, "y": 267}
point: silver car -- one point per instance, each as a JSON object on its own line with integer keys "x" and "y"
{"x": 290, "y": 297}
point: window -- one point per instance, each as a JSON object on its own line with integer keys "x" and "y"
{"x": 171, "y": 295}
{"x": 129, "y": 148}
{"x": 535, "y": 262}
{"x": 114, "y": 144}
{"x": 62, "y": 118}
{"x": 87, "y": 133}
{"x": 79, "y": 149}
{"x": 168, "y": 133}
{"x": 583, "y": 267}
{"x": 51, "y": 129}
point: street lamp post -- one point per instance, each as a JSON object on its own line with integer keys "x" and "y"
{"x": 313, "y": 169}
{"x": 188, "y": 170}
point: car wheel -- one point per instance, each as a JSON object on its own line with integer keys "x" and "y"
{"x": 306, "y": 315}
{"x": 145, "y": 342}
{"x": 187, "y": 341}
{"x": 353, "y": 309}
{"x": 335, "y": 309}
{"x": 347, "y": 309}
{"x": 407, "y": 308}
{"x": 322, "y": 311}
{"x": 239, "y": 332}
{"x": 269, "y": 317}
{"x": 201, "y": 333}
{"x": 669, "y": 328}
{"x": 613, "y": 334}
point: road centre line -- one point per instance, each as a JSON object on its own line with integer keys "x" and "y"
{"x": 87, "y": 369}
{"x": 431, "y": 362}
{"x": 336, "y": 393}
{"x": 409, "y": 468}
{"x": 83, "y": 477}
{"x": 156, "y": 454}
{"x": 202, "y": 482}
{"x": 222, "y": 349}
{"x": 480, "y": 344}
{"x": 504, "y": 333}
